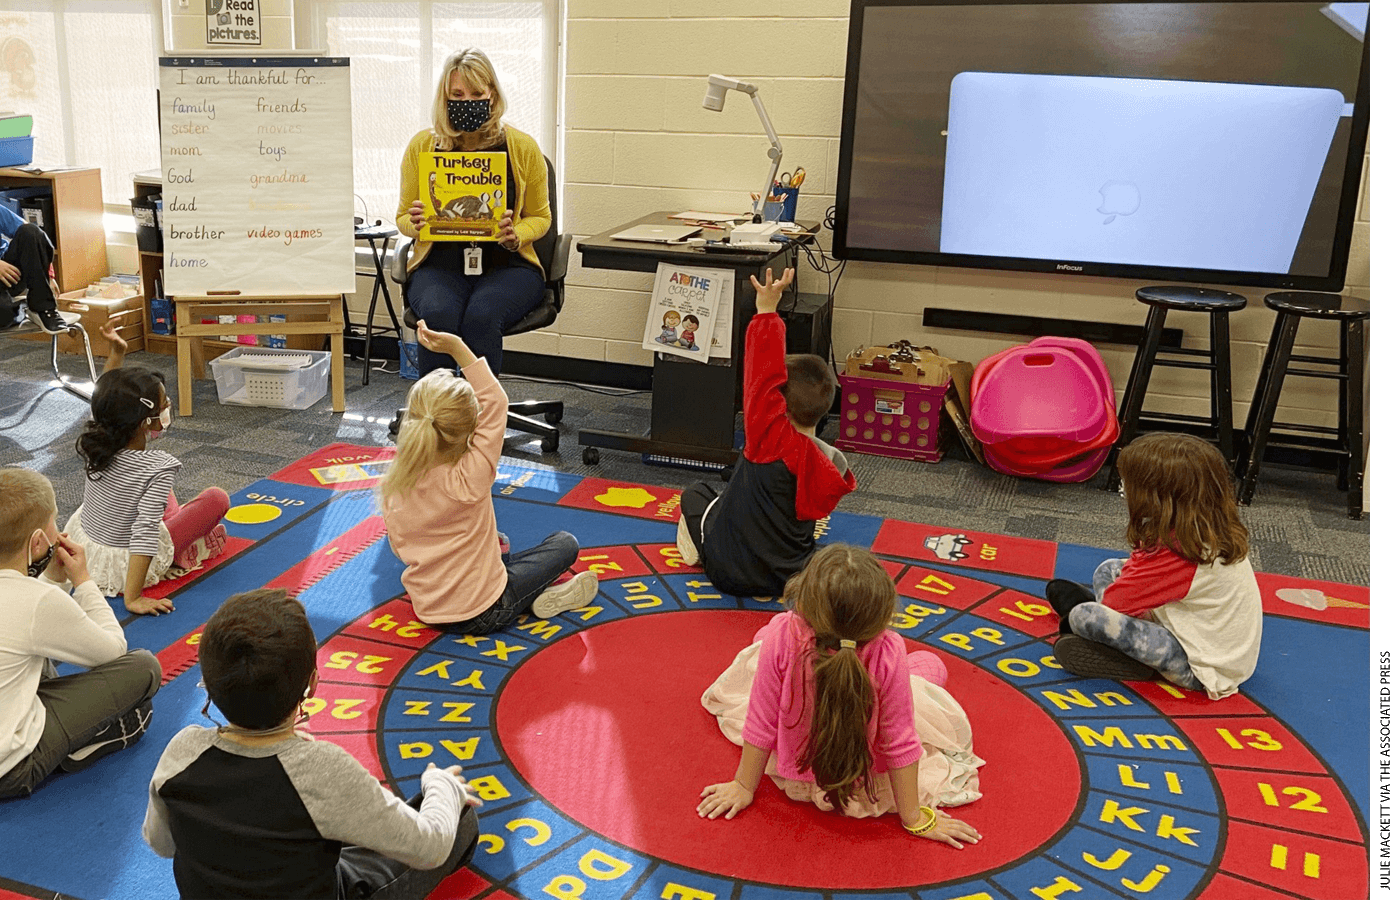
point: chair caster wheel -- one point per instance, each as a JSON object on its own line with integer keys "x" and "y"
{"x": 591, "y": 456}
{"x": 550, "y": 443}
{"x": 554, "y": 418}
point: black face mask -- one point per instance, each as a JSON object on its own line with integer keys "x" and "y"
{"x": 468, "y": 115}
{"x": 37, "y": 567}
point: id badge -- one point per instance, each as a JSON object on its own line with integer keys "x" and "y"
{"x": 471, "y": 260}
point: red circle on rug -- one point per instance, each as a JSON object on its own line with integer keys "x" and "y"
{"x": 607, "y": 726}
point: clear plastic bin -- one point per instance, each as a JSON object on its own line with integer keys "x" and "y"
{"x": 287, "y": 379}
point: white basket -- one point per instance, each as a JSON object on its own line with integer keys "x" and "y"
{"x": 287, "y": 379}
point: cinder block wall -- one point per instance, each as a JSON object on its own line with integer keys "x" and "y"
{"x": 637, "y": 140}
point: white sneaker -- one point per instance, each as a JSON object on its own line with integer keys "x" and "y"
{"x": 572, "y": 594}
{"x": 690, "y": 554}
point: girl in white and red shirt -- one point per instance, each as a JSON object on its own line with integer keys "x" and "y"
{"x": 436, "y": 497}
{"x": 1184, "y": 605}
{"x": 830, "y": 704}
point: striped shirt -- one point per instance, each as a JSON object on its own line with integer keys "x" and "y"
{"x": 124, "y": 504}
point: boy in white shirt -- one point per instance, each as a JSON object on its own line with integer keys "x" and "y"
{"x": 48, "y": 722}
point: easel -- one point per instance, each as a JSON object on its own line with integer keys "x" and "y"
{"x": 308, "y": 315}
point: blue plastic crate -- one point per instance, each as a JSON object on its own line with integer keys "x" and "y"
{"x": 18, "y": 151}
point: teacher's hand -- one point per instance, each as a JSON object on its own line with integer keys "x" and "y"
{"x": 415, "y": 215}
{"x": 506, "y": 235}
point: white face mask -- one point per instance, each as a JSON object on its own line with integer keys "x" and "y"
{"x": 164, "y": 421}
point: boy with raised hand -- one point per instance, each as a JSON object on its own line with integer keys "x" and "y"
{"x": 48, "y": 722}
{"x": 257, "y": 809}
{"x": 760, "y": 531}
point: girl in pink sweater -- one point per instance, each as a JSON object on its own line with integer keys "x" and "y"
{"x": 436, "y": 497}
{"x": 829, "y": 703}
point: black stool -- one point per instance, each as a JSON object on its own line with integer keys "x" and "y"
{"x": 1161, "y": 299}
{"x": 1348, "y": 438}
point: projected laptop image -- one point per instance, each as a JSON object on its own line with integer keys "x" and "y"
{"x": 657, "y": 234}
{"x": 1125, "y": 170}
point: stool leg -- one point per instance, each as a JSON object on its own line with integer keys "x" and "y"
{"x": 1270, "y": 351}
{"x": 1221, "y": 397}
{"x": 1266, "y": 405}
{"x": 1354, "y": 362}
{"x": 1136, "y": 390}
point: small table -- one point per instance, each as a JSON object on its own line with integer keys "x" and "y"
{"x": 370, "y": 234}
{"x": 305, "y": 315}
{"x": 693, "y": 404}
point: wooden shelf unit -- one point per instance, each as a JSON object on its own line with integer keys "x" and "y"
{"x": 80, "y": 252}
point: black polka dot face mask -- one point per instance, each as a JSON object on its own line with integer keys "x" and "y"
{"x": 468, "y": 115}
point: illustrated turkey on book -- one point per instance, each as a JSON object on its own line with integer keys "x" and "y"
{"x": 464, "y": 195}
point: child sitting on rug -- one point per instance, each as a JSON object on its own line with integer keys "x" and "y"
{"x": 436, "y": 497}
{"x": 48, "y": 722}
{"x": 829, "y": 703}
{"x": 754, "y": 536}
{"x": 1184, "y": 605}
{"x": 133, "y": 529}
{"x": 256, "y": 809}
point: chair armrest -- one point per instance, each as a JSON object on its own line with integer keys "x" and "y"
{"x": 559, "y": 266}
{"x": 398, "y": 265}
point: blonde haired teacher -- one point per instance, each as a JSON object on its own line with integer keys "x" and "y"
{"x": 467, "y": 110}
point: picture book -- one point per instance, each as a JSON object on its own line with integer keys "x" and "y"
{"x": 463, "y": 194}
{"x": 684, "y": 306}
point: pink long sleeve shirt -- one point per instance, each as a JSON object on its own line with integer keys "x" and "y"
{"x": 444, "y": 528}
{"x": 780, "y": 701}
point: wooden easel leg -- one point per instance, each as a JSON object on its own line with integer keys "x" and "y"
{"x": 183, "y": 347}
{"x": 337, "y": 336}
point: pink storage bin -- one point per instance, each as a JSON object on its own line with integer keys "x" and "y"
{"x": 1035, "y": 392}
{"x": 890, "y": 418}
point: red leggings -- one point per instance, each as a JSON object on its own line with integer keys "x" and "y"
{"x": 195, "y": 519}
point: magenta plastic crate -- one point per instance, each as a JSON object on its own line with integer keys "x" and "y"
{"x": 890, "y": 418}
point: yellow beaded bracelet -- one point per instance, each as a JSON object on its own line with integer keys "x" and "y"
{"x": 924, "y": 827}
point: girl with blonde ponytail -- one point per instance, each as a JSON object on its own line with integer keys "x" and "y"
{"x": 436, "y": 500}
{"x": 828, "y": 702}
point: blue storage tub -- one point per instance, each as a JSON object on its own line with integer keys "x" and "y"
{"x": 17, "y": 151}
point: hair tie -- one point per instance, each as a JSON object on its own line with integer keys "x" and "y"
{"x": 847, "y": 645}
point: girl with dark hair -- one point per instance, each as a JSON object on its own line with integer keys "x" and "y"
{"x": 134, "y": 531}
{"x": 828, "y": 702}
{"x": 1184, "y": 605}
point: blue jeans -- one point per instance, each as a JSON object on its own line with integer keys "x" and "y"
{"x": 528, "y": 574}
{"x": 1142, "y": 639}
{"x": 478, "y": 308}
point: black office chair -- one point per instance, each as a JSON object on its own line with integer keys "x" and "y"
{"x": 553, "y": 251}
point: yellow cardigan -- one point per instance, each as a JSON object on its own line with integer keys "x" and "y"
{"x": 532, "y": 213}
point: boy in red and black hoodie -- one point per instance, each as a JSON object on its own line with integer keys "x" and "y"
{"x": 760, "y": 531}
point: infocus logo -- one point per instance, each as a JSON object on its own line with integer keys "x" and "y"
{"x": 1066, "y": 267}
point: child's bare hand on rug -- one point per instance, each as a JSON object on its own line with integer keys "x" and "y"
{"x": 150, "y": 606}
{"x": 456, "y": 772}
{"x": 727, "y": 799}
{"x": 953, "y": 832}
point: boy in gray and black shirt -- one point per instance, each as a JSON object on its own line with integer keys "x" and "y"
{"x": 254, "y": 809}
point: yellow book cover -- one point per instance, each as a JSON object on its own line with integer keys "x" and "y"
{"x": 464, "y": 195}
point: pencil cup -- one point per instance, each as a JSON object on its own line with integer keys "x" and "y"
{"x": 784, "y": 209}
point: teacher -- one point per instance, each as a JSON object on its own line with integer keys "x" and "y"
{"x": 467, "y": 110}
